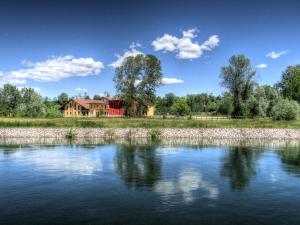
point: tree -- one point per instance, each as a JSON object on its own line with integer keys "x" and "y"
{"x": 180, "y": 107}
{"x": 62, "y": 99}
{"x": 136, "y": 81}
{"x": 9, "y": 100}
{"x": 97, "y": 97}
{"x": 52, "y": 110}
{"x": 289, "y": 85}
{"x": 32, "y": 104}
{"x": 285, "y": 110}
{"x": 169, "y": 100}
{"x": 237, "y": 78}
{"x": 225, "y": 105}
{"x": 86, "y": 96}
{"x": 203, "y": 102}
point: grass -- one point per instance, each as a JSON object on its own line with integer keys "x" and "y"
{"x": 109, "y": 122}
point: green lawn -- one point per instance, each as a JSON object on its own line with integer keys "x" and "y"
{"x": 147, "y": 123}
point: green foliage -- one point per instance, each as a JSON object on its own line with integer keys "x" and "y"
{"x": 289, "y": 85}
{"x": 180, "y": 107}
{"x": 203, "y": 102}
{"x": 163, "y": 105}
{"x": 237, "y": 78}
{"x": 109, "y": 134}
{"x": 155, "y": 135}
{"x": 62, "y": 99}
{"x": 32, "y": 104}
{"x": 285, "y": 110}
{"x": 71, "y": 133}
{"x": 97, "y": 97}
{"x": 226, "y": 105}
{"x": 52, "y": 110}
{"x": 136, "y": 82}
{"x": 10, "y": 98}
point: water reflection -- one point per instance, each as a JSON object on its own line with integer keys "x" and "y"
{"x": 290, "y": 158}
{"x": 138, "y": 165}
{"x": 239, "y": 165}
{"x": 186, "y": 185}
{"x": 57, "y": 159}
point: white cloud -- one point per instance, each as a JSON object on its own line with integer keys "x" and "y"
{"x": 275, "y": 55}
{"x": 164, "y": 81}
{"x": 53, "y": 69}
{"x": 184, "y": 46}
{"x": 262, "y": 66}
{"x": 133, "y": 51}
{"x": 81, "y": 89}
{"x": 171, "y": 81}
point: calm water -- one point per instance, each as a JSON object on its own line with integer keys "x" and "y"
{"x": 125, "y": 184}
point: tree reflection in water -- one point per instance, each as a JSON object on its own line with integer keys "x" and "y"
{"x": 290, "y": 158}
{"x": 138, "y": 166}
{"x": 239, "y": 166}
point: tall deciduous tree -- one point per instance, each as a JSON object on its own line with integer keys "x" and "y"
{"x": 136, "y": 81}
{"x": 289, "y": 86}
{"x": 238, "y": 78}
{"x": 9, "y": 100}
{"x": 62, "y": 99}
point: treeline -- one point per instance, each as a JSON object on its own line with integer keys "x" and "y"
{"x": 137, "y": 79}
{"x": 244, "y": 98}
{"x": 27, "y": 102}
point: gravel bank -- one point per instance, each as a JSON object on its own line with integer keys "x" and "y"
{"x": 239, "y": 133}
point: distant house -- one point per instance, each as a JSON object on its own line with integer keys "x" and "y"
{"x": 84, "y": 107}
{"x": 109, "y": 106}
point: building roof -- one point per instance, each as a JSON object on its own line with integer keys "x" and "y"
{"x": 114, "y": 98}
{"x": 85, "y": 103}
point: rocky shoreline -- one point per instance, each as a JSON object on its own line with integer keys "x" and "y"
{"x": 228, "y": 133}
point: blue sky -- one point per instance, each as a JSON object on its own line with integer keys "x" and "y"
{"x": 71, "y": 46}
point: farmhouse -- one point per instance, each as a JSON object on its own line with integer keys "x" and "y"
{"x": 109, "y": 106}
{"x": 84, "y": 107}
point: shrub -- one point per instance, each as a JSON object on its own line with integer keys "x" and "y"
{"x": 109, "y": 134}
{"x": 71, "y": 133}
{"x": 155, "y": 135}
{"x": 180, "y": 107}
{"x": 52, "y": 111}
{"x": 285, "y": 110}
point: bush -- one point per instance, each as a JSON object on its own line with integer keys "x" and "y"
{"x": 155, "y": 135}
{"x": 52, "y": 111}
{"x": 180, "y": 107}
{"x": 285, "y": 110}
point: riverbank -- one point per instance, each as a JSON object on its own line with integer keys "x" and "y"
{"x": 229, "y": 133}
{"x": 124, "y": 122}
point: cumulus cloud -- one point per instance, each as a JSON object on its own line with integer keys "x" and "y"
{"x": 166, "y": 81}
{"x": 262, "y": 66}
{"x": 81, "y": 89}
{"x": 275, "y": 55}
{"x": 53, "y": 69}
{"x": 185, "y": 46}
{"x": 133, "y": 51}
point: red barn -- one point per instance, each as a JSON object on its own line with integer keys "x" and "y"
{"x": 113, "y": 106}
